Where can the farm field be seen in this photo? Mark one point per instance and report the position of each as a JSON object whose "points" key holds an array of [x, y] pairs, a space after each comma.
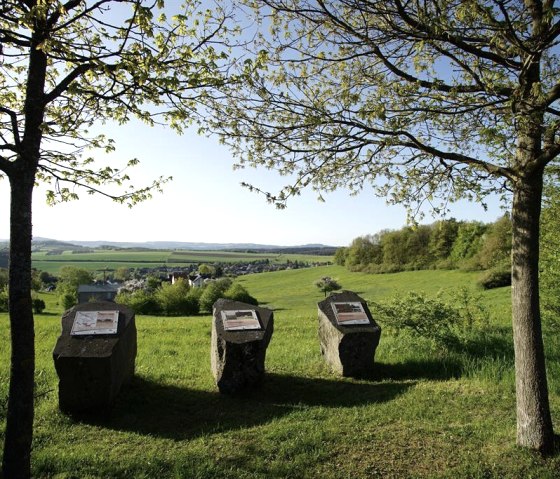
{"points": [[112, 259], [426, 412]]}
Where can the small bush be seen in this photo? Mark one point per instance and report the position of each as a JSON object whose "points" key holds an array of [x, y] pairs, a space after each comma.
{"points": [[212, 292], [68, 299], [496, 277], [140, 301], [446, 324], [38, 306], [327, 284], [236, 292]]}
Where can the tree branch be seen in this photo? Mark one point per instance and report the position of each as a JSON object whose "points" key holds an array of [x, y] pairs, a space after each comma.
{"points": [[14, 122]]}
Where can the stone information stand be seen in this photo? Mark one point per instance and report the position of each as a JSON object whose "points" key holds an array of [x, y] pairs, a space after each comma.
{"points": [[348, 334], [94, 355], [240, 335]]}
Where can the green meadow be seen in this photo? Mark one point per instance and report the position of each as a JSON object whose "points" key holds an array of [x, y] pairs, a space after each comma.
{"points": [[426, 412]]}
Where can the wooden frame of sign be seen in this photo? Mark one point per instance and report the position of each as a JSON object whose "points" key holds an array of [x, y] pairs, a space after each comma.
{"points": [[95, 322], [350, 313], [240, 320]]}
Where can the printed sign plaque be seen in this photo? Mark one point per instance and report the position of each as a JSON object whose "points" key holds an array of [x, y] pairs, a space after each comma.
{"points": [[350, 313], [238, 320], [95, 322]]}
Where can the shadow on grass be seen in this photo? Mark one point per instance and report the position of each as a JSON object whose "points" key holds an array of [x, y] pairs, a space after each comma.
{"points": [[440, 369], [149, 408]]}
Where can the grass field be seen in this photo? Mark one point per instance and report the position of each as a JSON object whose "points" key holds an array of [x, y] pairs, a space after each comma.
{"points": [[108, 259], [425, 413]]}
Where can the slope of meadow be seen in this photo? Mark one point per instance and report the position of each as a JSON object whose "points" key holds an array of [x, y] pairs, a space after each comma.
{"points": [[426, 412]]}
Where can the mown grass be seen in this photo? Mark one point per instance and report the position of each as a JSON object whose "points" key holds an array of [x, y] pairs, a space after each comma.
{"points": [[424, 413]]}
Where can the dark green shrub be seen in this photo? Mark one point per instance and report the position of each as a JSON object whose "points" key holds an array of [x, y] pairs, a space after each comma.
{"points": [[140, 301], [212, 292], [327, 284], [173, 300], [496, 277], [237, 292], [68, 299], [38, 306]]}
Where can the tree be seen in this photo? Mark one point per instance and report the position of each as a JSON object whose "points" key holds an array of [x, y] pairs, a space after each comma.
{"points": [[212, 292], [237, 292], [429, 102], [67, 287], [496, 244], [550, 238], [122, 274], [327, 284], [444, 234], [363, 252], [206, 270], [64, 66], [176, 299]]}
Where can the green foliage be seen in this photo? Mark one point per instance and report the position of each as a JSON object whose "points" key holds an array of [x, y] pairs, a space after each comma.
{"points": [[238, 292], [206, 269], [152, 282], [212, 292], [496, 245], [3, 278], [442, 238], [175, 300], [4, 299], [468, 241], [140, 301], [327, 284], [340, 256], [550, 253], [497, 277], [445, 244], [68, 299], [179, 299], [446, 322], [38, 305], [69, 280], [363, 251], [122, 274]]}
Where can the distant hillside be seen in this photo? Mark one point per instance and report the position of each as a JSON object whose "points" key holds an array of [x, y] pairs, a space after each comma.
{"points": [[56, 245]]}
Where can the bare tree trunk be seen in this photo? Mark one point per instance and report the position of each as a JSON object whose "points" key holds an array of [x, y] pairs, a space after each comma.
{"points": [[19, 423], [534, 423]]}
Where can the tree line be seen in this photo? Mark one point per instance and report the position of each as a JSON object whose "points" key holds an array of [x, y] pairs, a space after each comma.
{"points": [[444, 244]]}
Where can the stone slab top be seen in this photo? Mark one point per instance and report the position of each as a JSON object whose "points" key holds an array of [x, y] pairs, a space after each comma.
{"points": [[95, 345], [226, 307], [348, 313]]}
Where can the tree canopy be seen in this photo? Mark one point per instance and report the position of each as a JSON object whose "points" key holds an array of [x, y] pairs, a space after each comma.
{"points": [[67, 68], [97, 62], [427, 101], [424, 100]]}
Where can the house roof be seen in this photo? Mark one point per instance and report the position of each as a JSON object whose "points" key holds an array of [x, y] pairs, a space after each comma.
{"points": [[96, 288]]}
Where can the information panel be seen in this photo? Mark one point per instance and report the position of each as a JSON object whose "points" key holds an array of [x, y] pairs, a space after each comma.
{"points": [[350, 313], [95, 322], [242, 319]]}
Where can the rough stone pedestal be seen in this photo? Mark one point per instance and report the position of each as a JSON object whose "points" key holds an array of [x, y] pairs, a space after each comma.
{"points": [[92, 368], [237, 357], [348, 349]]}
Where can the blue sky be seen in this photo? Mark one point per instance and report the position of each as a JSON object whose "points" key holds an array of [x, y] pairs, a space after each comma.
{"points": [[205, 202]]}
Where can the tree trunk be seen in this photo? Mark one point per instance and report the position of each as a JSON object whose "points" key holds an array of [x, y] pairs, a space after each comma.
{"points": [[19, 423], [534, 423]]}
